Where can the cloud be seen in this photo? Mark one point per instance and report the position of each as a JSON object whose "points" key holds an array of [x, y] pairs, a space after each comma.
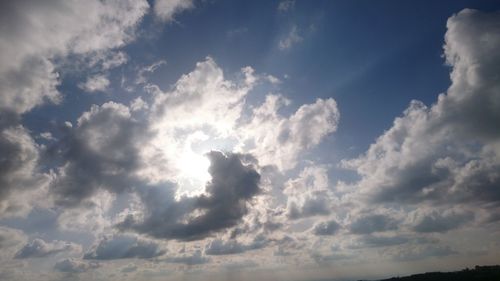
{"points": [[96, 83], [74, 266], [18, 169], [38, 248], [291, 39], [222, 205], [19, 159], [373, 223], [374, 241], [112, 60], [285, 6], [327, 228], [195, 259], [309, 194], [30, 54], [10, 239], [28, 76], [447, 153], [219, 102], [141, 74], [419, 252], [276, 140], [219, 247], [101, 151], [436, 221], [166, 9], [124, 247]]}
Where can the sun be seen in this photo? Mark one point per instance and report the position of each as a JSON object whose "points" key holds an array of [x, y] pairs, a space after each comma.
{"points": [[193, 173]]}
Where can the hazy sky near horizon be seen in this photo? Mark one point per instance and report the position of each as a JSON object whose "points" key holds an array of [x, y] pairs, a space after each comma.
{"points": [[243, 140]]}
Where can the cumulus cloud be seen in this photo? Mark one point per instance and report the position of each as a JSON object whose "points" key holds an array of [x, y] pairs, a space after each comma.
{"points": [[74, 266], [367, 224], [330, 227], [279, 140], [309, 194], [219, 102], [38, 248], [29, 55], [223, 204], [96, 83], [447, 153], [28, 76], [436, 221], [101, 151], [124, 247], [166, 9], [18, 168]]}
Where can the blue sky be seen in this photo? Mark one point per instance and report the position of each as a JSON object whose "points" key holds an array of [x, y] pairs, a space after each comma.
{"points": [[223, 140]]}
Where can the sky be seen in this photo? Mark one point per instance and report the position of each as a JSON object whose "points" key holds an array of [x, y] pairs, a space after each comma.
{"points": [[242, 140]]}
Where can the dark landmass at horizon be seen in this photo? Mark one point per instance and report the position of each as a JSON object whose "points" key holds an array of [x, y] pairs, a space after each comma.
{"points": [[478, 273]]}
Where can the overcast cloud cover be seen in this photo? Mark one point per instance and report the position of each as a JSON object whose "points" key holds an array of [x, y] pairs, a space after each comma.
{"points": [[131, 149]]}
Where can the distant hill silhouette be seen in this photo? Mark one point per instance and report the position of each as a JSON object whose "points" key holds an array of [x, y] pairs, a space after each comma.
{"points": [[479, 273]]}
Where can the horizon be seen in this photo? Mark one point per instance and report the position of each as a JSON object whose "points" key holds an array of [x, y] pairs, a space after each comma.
{"points": [[241, 140]]}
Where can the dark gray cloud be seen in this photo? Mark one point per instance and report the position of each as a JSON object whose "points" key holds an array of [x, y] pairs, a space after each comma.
{"points": [[373, 223], [74, 266], [330, 227], [222, 205], [19, 161], [124, 247], [441, 222], [19, 157], [39, 249], [101, 151]]}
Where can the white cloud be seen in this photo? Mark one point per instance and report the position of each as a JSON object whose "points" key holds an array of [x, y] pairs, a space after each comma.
{"points": [[96, 83], [27, 74], [138, 104], [448, 153], [277, 140], [286, 5], [309, 194], [141, 74], [293, 37], [165, 10], [114, 60]]}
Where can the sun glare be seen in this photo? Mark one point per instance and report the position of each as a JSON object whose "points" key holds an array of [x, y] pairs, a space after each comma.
{"points": [[193, 174]]}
